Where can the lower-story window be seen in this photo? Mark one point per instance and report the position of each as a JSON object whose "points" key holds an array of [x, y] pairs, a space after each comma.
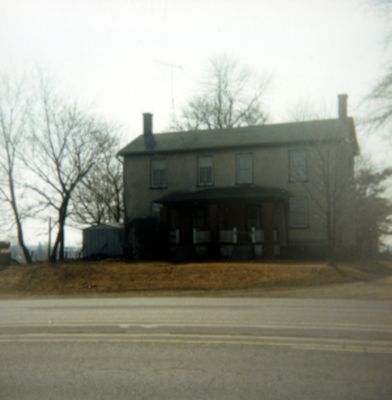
{"points": [[299, 212]]}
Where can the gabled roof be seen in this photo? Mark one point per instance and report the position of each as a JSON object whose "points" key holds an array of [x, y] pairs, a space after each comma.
{"points": [[260, 135]]}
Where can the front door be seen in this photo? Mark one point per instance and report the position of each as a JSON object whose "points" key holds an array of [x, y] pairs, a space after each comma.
{"points": [[181, 219], [268, 227], [253, 217]]}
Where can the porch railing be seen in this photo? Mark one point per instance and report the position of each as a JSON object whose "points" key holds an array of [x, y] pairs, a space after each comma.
{"points": [[200, 236], [228, 236], [257, 235]]}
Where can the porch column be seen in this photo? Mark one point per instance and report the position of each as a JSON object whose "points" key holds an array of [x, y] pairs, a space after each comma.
{"points": [[212, 223]]}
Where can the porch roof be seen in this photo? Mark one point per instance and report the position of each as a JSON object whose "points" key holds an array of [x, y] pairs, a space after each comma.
{"points": [[225, 194]]}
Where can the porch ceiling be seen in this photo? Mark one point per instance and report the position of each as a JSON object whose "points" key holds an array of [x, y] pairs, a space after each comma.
{"points": [[225, 194]]}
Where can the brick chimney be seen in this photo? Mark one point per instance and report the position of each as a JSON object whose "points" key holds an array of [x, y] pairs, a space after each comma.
{"points": [[342, 106], [147, 124]]}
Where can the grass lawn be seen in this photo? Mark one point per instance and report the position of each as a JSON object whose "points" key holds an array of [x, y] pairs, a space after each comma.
{"points": [[112, 276]]}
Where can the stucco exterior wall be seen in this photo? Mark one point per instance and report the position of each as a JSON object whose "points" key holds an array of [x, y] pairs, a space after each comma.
{"points": [[271, 169]]}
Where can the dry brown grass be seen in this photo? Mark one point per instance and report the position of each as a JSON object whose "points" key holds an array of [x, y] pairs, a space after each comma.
{"points": [[117, 276]]}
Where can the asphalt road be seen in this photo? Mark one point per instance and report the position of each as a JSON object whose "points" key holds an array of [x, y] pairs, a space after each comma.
{"points": [[195, 348]]}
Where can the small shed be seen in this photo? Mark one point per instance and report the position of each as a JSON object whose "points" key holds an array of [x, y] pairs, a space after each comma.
{"points": [[5, 254], [103, 240]]}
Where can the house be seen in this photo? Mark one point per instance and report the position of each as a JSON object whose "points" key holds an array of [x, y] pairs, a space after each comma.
{"points": [[258, 191]]}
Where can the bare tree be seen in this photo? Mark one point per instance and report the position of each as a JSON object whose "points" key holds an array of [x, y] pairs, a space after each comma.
{"points": [[336, 190], [381, 94], [99, 197], [326, 174], [307, 110], [332, 188], [229, 96], [373, 208], [66, 144], [13, 117]]}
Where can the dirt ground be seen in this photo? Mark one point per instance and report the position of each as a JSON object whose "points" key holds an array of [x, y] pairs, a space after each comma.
{"points": [[119, 278]]}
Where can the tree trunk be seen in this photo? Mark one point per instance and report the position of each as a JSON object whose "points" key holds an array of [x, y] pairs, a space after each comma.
{"points": [[19, 227], [59, 245], [53, 256], [62, 240]]}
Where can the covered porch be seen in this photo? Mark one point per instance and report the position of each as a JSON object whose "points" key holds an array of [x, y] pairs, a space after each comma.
{"points": [[231, 223]]}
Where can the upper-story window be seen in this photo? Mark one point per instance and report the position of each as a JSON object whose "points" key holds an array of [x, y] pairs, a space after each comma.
{"points": [[298, 171], [204, 171], [158, 174], [244, 169]]}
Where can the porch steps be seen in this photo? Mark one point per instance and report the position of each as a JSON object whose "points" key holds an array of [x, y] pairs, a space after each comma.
{"points": [[181, 253]]}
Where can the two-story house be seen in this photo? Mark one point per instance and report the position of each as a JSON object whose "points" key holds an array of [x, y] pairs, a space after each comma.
{"points": [[246, 192]]}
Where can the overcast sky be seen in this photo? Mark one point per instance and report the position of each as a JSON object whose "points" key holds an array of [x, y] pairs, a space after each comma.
{"points": [[110, 54]]}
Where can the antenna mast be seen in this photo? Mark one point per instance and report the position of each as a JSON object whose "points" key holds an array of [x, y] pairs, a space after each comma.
{"points": [[172, 101]]}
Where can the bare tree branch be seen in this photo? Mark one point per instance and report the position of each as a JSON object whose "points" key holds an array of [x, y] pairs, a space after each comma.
{"points": [[14, 103], [230, 96], [67, 143], [99, 199], [380, 96]]}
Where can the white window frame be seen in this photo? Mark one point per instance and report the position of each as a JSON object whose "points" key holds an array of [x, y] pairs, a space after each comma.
{"points": [[298, 165], [203, 160], [298, 205], [158, 165], [240, 170]]}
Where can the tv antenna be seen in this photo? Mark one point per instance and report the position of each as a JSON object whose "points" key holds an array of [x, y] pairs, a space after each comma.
{"points": [[172, 68]]}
